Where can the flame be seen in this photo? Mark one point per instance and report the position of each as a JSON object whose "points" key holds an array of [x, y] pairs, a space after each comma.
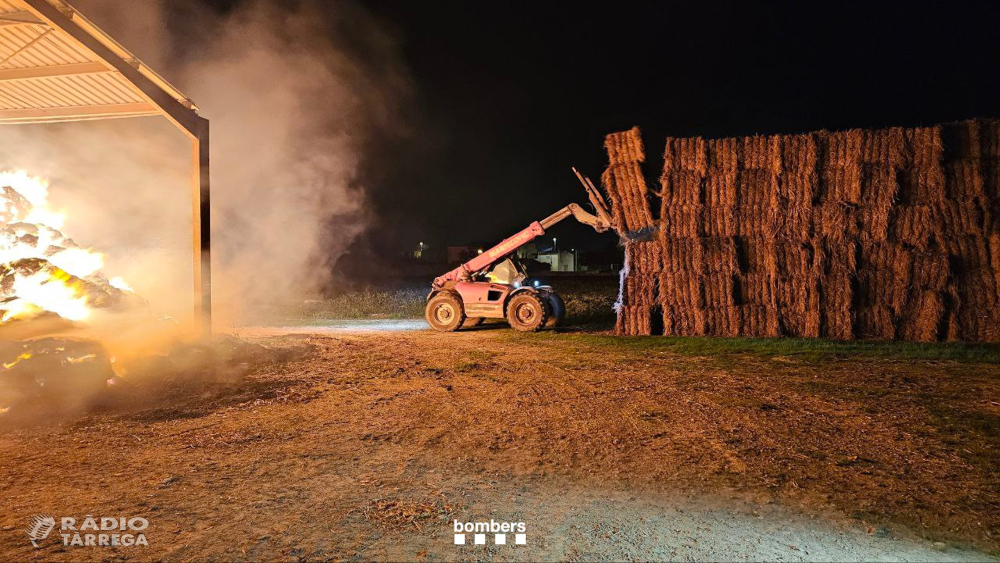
{"points": [[29, 229], [17, 360]]}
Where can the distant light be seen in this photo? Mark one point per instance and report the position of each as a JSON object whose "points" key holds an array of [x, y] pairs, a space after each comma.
{"points": [[480, 251], [517, 285], [535, 283]]}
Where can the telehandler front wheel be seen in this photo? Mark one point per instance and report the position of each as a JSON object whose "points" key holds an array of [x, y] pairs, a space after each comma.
{"points": [[445, 312], [526, 312], [557, 309]]}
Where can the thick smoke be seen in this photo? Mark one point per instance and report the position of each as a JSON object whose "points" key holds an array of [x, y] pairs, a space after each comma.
{"points": [[295, 96]]}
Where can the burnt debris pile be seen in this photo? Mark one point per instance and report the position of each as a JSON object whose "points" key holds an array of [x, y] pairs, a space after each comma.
{"points": [[871, 234]]}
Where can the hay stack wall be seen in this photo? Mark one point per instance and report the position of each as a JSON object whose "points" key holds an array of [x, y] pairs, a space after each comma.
{"points": [[874, 234]]}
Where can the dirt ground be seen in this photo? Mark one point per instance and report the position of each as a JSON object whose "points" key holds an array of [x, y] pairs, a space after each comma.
{"points": [[367, 445]]}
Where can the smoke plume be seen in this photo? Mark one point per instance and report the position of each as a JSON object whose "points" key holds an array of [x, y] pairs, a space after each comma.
{"points": [[296, 96]]}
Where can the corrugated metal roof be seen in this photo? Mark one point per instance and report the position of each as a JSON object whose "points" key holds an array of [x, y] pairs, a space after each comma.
{"points": [[46, 74]]}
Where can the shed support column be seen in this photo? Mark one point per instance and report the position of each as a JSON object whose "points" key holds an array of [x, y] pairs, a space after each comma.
{"points": [[201, 192]]}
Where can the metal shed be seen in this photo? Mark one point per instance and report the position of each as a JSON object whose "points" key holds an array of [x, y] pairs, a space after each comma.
{"points": [[56, 66]]}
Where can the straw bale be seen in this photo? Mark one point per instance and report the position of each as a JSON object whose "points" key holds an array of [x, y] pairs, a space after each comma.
{"points": [[683, 255], [798, 154], [799, 188], [759, 221], [687, 153], [878, 184], [640, 289], [989, 139], [617, 207], [758, 289], [634, 320], [991, 185], [961, 218], [979, 306], [880, 287], [993, 244], [836, 298], [761, 153], [718, 290], [961, 140], [951, 332], [798, 305], [681, 290], [757, 255], [683, 321], [719, 221], [875, 322], [841, 149], [878, 196], [627, 191], [884, 146], [926, 146], [795, 258], [757, 188], [644, 256], [967, 252], [835, 221], [720, 189], [630, 184], [680, 220], [977, 325], [873, 224], [930, 271], [891, 257], [922, 317], [722, 321], [723, 156], [913, 225], [841, 184], [922, 185], [796, 223], [625, 147], [681, 187], [964, 180], [978, 289], [719, 255], [761, 322], [838, 258]]}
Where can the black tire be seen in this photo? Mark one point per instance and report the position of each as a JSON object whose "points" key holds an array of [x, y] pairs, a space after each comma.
{"points": [[526, 312], [445, 312], [557, 309]]}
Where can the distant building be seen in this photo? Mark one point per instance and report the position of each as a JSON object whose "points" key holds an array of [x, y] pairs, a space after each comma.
{"points": [[559, 261]]}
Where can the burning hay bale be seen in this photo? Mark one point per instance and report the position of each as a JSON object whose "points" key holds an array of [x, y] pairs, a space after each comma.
{"points": [[43, 272], [888, 234]]}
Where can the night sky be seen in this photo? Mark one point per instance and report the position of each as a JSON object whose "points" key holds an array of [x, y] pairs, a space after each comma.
{"points": [[509, 95]]}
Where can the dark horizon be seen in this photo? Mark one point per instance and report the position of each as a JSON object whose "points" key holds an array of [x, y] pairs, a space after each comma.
{"points": [[506, 100]]}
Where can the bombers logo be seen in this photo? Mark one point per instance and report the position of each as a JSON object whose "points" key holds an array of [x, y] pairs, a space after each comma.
{"points": [[498, 530]]}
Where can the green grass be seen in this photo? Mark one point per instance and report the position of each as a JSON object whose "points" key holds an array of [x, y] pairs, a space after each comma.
{"points": [[372, 303], [588, 301], [808, 350]]}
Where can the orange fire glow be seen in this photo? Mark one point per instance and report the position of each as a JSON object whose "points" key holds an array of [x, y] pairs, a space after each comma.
{"points": [[41, 270]]}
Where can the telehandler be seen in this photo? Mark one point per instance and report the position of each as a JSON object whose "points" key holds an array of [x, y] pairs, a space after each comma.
{"points": [[491, 285]]}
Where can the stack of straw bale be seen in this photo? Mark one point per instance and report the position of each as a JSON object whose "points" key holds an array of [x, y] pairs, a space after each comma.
{"points": [[879, 234]]}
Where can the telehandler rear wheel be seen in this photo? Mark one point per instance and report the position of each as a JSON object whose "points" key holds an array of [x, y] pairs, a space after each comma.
{"points": [[445, 312], [526, 312]]}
